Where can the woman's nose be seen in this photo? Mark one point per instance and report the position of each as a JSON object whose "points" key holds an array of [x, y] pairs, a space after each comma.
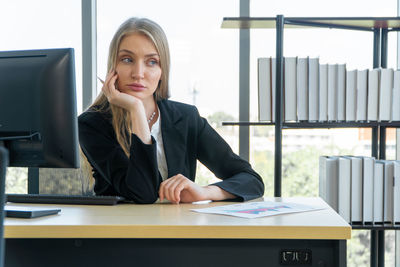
{"points": [[138, 70]]}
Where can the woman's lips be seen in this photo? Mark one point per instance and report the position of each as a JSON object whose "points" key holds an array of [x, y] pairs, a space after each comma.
{"points": [[136, 87]]}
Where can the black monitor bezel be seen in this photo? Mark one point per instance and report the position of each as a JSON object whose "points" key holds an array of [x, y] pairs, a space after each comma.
{"points": [[57, 137]]}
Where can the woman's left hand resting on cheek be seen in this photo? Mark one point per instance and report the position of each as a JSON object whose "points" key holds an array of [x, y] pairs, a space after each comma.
{"points": [[178, 189]]}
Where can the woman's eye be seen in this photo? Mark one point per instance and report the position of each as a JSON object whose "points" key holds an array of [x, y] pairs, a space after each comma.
{"points": [[153, 62], [126, 60]]}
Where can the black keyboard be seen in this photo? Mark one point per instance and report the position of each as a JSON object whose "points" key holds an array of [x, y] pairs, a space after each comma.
{"points": [[64, 199]]}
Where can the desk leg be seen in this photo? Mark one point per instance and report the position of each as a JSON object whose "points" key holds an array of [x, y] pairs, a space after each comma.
{"points": [[342, 253]]}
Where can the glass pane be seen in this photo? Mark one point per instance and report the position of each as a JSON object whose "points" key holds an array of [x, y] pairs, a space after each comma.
{"points": [[390, 247], [358, 248], [17, 180]]}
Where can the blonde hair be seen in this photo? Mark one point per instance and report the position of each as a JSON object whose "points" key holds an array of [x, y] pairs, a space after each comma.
{"points": [[120, 117]]}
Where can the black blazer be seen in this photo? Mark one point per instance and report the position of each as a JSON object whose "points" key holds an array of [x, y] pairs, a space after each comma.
{"points": [[187, 138]]}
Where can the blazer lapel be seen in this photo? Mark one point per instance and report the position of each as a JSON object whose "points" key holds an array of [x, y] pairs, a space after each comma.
{"points": [[173, 129]]}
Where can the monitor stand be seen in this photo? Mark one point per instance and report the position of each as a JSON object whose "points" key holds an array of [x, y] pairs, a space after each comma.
{"points": [[3, 168]]}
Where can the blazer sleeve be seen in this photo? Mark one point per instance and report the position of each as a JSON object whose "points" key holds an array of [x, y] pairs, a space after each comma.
{"points": [[238, 177], [135, 177]]}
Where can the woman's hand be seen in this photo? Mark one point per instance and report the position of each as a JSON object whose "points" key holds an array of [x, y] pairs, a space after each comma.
{"points": [[132, 104], [178, 189], [116, 97]]}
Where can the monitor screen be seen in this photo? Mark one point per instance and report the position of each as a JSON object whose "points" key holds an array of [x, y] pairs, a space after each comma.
{"points": [[38, 117]]}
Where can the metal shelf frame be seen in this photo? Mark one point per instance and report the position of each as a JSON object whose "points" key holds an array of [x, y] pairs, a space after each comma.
{"points": [[380, 27], [318, 125], [366, 226]]}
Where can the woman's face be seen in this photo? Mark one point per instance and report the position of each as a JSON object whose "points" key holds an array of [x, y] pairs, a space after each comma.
{"points": [[138, 66]]}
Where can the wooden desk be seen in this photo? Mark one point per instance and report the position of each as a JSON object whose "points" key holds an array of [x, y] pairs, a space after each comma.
{"points": [[172, 235]]}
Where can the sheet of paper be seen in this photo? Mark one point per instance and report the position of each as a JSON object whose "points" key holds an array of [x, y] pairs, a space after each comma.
{"points": [[258, 209]]}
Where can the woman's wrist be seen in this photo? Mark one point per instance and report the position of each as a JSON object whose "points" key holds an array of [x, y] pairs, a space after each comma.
{"points": [[139, 123], [214, 192], [137, 108]]}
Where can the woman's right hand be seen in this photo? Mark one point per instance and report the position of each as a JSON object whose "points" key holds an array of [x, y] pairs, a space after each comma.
{"points": [[116, 97], [139, 124]]}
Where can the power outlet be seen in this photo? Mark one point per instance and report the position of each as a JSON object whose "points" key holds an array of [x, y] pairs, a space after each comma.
{"points": [[295, 257]]}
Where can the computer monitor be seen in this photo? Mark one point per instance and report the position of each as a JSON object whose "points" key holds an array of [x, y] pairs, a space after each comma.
{"points": [[38, 117]]}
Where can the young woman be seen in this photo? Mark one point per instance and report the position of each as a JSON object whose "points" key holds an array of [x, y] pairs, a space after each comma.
{"points": [[143, 146]]}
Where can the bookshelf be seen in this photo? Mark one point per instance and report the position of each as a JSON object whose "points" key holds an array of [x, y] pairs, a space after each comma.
{"points": [[379, 27]]}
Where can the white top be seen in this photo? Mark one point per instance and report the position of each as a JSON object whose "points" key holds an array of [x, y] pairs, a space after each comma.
{"points": [[156, 133]]}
